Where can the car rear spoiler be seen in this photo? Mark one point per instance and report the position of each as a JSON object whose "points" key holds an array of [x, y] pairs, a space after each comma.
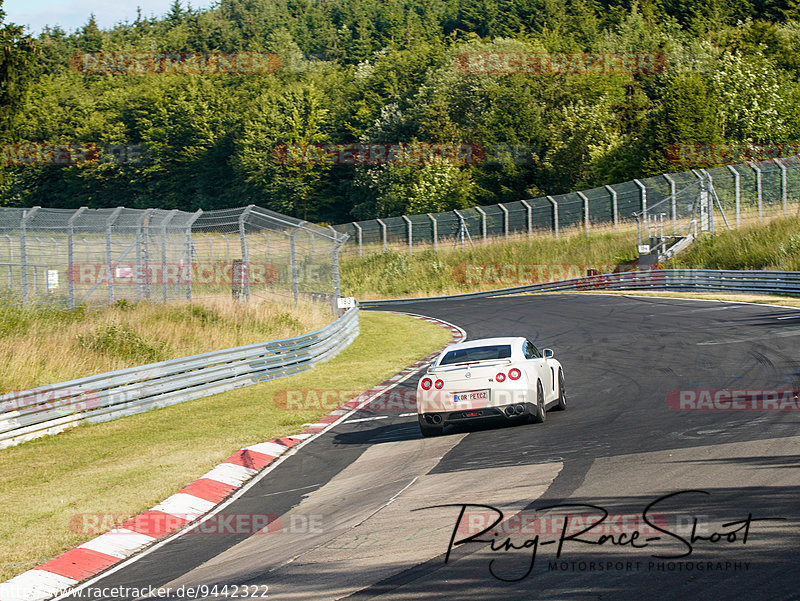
{"points": [[468, 364]]}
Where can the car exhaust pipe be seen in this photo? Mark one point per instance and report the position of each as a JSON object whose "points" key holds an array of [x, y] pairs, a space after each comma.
{"points": [[510, 410], [436, 419], [520, 409]]}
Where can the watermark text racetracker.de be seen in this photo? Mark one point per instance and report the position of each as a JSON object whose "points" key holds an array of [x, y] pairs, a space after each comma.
{"points": [[402, 153], [64, 401], [172, 273], [733, 400], [67, 155], [218, 524], [175, 63]]}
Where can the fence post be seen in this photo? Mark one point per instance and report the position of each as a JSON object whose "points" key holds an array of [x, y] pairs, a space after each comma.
{"points": [[410, 234], [710, 200], [643, 196], [585, 212], [435, 226], [703, 200], [187, 251], [338, 241], [164, 249], [674, 202], [71, 256], [109, 258], [360, 238], [555, 213], [142, 258], [23, 251], [614, 206], [529, 215], [293, 264], [759, 194], [505, 219], [245, 250], [483, 222], [737, 193], [783, 184], [383, 232]]}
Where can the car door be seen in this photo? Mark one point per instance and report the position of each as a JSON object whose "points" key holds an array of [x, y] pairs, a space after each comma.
{"points": [[538, 370]]}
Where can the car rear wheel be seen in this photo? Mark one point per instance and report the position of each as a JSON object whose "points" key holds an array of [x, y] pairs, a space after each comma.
{"points": [[541, 413], [562, 397], [428, 431]]}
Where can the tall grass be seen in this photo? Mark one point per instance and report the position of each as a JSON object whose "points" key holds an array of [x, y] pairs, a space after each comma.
{"points": [[513, 262], [43, 344], [771, 245]]}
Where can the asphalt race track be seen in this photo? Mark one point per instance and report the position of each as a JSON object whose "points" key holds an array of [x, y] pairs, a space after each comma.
{"points": [[347, 500]]}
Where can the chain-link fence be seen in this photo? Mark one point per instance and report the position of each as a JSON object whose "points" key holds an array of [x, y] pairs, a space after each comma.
{"points": [[746, 191], [92, 256]]}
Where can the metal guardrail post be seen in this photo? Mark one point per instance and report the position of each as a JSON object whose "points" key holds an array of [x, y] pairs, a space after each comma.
{"points": [[555, 213], [674, 202], [23, 251], [505, 219], [410, 234], [737, 194], [245, 251], [109, 256], [383, 232], [643, 198], [435, 226], [360, 238], [759, 191], [483, 222], [585, 211], [783, 185], [529, 215], [71, 256]]}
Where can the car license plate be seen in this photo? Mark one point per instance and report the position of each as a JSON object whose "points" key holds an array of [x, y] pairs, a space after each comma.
{"points": [[471, 395]]}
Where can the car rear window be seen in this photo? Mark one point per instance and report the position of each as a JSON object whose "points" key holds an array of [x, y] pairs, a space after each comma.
{"points": [[477, 353]]}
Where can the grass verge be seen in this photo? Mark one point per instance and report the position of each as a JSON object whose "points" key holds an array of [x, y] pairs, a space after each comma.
{"points": [[126, 466]]}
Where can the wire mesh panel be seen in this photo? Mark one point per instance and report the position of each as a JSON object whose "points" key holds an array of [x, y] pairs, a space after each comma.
{"points": [[759, 189], [93, 256]]}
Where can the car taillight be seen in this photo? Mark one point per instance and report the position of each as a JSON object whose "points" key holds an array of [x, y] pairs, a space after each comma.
{"points": [[426, 384], [500, 377], [514, 373], [439, 384]]}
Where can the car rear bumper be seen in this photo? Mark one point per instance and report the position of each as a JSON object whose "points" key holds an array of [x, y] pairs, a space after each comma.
{"points": [[501, 412]]}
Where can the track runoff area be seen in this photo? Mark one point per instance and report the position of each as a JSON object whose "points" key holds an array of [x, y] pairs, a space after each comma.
{"points": [[673, 474]]}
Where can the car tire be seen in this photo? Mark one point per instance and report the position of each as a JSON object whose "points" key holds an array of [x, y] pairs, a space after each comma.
{"points": [[541, 413], [428, 431], [562, 397]]}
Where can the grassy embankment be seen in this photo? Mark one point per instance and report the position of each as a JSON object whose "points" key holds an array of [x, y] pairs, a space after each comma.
{"points": [[497, 264], [123, 467]]}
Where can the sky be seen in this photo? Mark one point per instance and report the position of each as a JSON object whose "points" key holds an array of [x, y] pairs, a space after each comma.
{"points": [[73, 14]]}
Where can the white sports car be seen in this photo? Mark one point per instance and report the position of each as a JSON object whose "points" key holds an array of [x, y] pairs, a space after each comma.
{"points": [[500, 378]]}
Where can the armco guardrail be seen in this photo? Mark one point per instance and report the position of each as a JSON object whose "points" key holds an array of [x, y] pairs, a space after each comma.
{"points": [[50, 409], [698, 280]]}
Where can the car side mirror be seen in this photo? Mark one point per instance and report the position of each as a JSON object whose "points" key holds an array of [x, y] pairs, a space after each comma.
{"points": [[548, 353]]}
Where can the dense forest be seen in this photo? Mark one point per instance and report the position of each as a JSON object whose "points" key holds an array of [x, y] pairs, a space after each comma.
{"points": [[390, 72]]}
